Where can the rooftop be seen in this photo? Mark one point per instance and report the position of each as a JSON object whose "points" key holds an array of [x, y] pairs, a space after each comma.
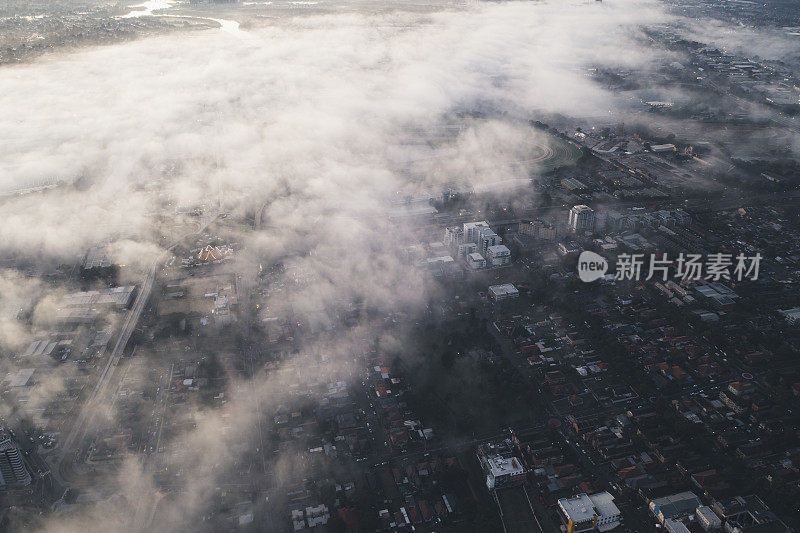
{"points": [[504, 289], [578, 508], [501, 466]]}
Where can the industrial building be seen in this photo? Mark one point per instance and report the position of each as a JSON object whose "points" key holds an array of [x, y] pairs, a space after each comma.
{"points": [[115, 297], [718, 295], [584, 512], [571, 184]]}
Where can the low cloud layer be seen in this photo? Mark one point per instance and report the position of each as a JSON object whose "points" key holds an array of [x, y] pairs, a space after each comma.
{"points": [[314, 121], [306, 107]]}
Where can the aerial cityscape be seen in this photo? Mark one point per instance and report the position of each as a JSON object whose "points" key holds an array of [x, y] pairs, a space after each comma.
{"points": [[359, 266]]}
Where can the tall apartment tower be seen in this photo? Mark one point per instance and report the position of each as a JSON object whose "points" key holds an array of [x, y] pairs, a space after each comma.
{"points": [[581, 218], [12, 469]]}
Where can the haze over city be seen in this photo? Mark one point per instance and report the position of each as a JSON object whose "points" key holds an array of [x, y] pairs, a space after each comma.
{"points": [[369, 266]]}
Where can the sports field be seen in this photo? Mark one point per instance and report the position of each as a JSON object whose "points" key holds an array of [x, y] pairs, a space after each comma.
{"points": [[551, 153]]}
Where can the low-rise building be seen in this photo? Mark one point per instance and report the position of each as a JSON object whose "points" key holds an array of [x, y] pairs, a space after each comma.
{"points": [[675, 526], [498, 255], [586, 512], [467, 248], [476, 261], [503, 292], [500, 464], [707, 518], [792, 316], [676, 505]]}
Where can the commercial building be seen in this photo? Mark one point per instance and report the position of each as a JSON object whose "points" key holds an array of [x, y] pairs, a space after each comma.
{"points": [[502, 472], [707, 518], [581, 218], [538, 229], [595, 512], [503, 292], [500, 464], [748, 514], [498, 255], [675, 526], [674, 506]]}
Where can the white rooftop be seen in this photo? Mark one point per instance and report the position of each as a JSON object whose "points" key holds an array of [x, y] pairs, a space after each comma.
{"points": [[583, 507], [506, 288], [21, 377], [498, 248], [578, 508], [502, 466], [604, 504]]}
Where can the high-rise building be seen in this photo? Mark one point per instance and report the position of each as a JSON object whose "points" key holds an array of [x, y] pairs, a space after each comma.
{"points": [[453, 236], [481, 234], [12, 469], [472, 230], [581, 218]]}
